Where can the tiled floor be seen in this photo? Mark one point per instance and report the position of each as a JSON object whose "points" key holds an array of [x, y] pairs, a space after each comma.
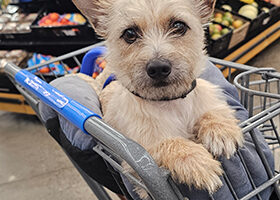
{"points": [[32, 165]]}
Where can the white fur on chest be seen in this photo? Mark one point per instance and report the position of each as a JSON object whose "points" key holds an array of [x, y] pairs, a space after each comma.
{"points": [[150, 121]]}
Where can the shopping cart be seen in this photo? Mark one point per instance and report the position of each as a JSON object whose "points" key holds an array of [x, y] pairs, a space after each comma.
{"points": [[256, 94]]}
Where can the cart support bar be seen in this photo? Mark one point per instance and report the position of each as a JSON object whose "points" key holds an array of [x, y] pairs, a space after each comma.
{"points": [[11, 69], [67, 107], [137, 157]]}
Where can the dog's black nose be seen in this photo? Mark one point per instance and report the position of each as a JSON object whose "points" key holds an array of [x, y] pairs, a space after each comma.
{"points": [[158, 69]]}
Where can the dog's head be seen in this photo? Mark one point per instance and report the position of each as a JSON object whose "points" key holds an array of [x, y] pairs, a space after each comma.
{"points": [[155, 47]]}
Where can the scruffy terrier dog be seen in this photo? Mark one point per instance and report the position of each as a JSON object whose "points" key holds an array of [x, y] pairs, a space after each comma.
{"points": [[155, 49]]}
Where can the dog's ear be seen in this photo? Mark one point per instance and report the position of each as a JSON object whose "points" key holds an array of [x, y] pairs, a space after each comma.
{"points": [[97, 13], [205, 9]]}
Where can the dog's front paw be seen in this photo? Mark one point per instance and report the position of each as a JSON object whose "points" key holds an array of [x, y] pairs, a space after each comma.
{"points": [[221, 136], [143, 194], [189, 163]]}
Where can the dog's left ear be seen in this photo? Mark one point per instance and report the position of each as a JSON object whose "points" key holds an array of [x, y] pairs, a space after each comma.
{"points": [[97, 13], [205, 9]]}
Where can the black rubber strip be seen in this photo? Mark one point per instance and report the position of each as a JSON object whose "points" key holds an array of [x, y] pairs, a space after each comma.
{"points": [[12, 101], [253, 46]]}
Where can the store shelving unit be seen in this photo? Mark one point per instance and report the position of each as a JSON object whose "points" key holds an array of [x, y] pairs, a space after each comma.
{"points": [[12, 101], [251, 48]]}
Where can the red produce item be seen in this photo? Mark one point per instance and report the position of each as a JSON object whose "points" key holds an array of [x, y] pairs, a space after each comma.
{"points": [[53, 16], [44, 70]]}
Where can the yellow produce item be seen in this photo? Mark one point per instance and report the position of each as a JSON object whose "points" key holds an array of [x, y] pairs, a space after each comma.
{"points": [[249, 14], [248, 8], [237, 23], [247, 1], [227, 7], [255, 4], [265, 9], [79, 18]]}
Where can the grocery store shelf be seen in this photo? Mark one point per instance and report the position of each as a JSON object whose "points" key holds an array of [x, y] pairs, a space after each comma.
{"points": [[241, 55], [14, 103], [23, 43], [253, 47], [53, 47]]}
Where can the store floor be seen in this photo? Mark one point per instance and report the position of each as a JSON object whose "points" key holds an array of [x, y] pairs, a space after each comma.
{"points": [[32, 165]]}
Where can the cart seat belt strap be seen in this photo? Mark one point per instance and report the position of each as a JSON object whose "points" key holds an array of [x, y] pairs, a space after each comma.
{"points": [[111, 78]]}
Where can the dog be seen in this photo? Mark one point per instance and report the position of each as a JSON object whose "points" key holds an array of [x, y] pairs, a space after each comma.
{"points": [[156, 51]]}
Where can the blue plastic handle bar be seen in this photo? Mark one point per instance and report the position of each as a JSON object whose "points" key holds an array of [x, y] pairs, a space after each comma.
{"points": [[67, 107], [89, 59]]}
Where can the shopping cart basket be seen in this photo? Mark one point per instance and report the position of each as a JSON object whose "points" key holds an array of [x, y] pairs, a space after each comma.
{"points": [[256, 95]]}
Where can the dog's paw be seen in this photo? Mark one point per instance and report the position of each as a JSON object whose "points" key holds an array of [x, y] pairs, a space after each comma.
{"points": [[189, 163], [221, 136], [143, 194]]}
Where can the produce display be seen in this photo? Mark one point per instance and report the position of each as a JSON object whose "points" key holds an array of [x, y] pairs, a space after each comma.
{"points": [[57, 68], [15, 56], [55, 19], [227, 19], [216, 31], [13, 21], [250, 10], [23, 58], [234, 21]]}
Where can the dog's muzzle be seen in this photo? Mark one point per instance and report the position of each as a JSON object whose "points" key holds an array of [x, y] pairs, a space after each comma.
{"points": [[158, 69]]}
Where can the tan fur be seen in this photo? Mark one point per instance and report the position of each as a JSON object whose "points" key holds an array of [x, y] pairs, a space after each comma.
{"points": [[176, 133], [88, 79], [152, 121], [203, 116], [218, 132], [187, 161], [184, 159], [96, 84]]}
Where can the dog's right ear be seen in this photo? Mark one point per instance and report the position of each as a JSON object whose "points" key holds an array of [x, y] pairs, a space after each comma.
{"points": [[205, 9], [97, 13]]}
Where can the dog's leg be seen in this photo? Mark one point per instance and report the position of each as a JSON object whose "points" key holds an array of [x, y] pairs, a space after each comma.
{"points": [[218, 131], [189, 163]]}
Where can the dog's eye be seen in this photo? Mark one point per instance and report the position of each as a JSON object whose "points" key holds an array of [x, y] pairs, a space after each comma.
{"points": [[130, 35], [179, 28]]}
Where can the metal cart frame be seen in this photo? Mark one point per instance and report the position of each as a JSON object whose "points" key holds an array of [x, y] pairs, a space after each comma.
{"points": [[156, 181]]}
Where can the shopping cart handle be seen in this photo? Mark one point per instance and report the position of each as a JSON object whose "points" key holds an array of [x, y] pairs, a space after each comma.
{"points": [[67, 107], [89, 60]]}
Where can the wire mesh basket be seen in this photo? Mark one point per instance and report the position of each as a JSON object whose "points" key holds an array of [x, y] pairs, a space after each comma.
{"points": [[259, 93]]}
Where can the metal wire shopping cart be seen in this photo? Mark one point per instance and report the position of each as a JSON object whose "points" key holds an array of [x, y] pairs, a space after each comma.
{"points": [[256, 93]]}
